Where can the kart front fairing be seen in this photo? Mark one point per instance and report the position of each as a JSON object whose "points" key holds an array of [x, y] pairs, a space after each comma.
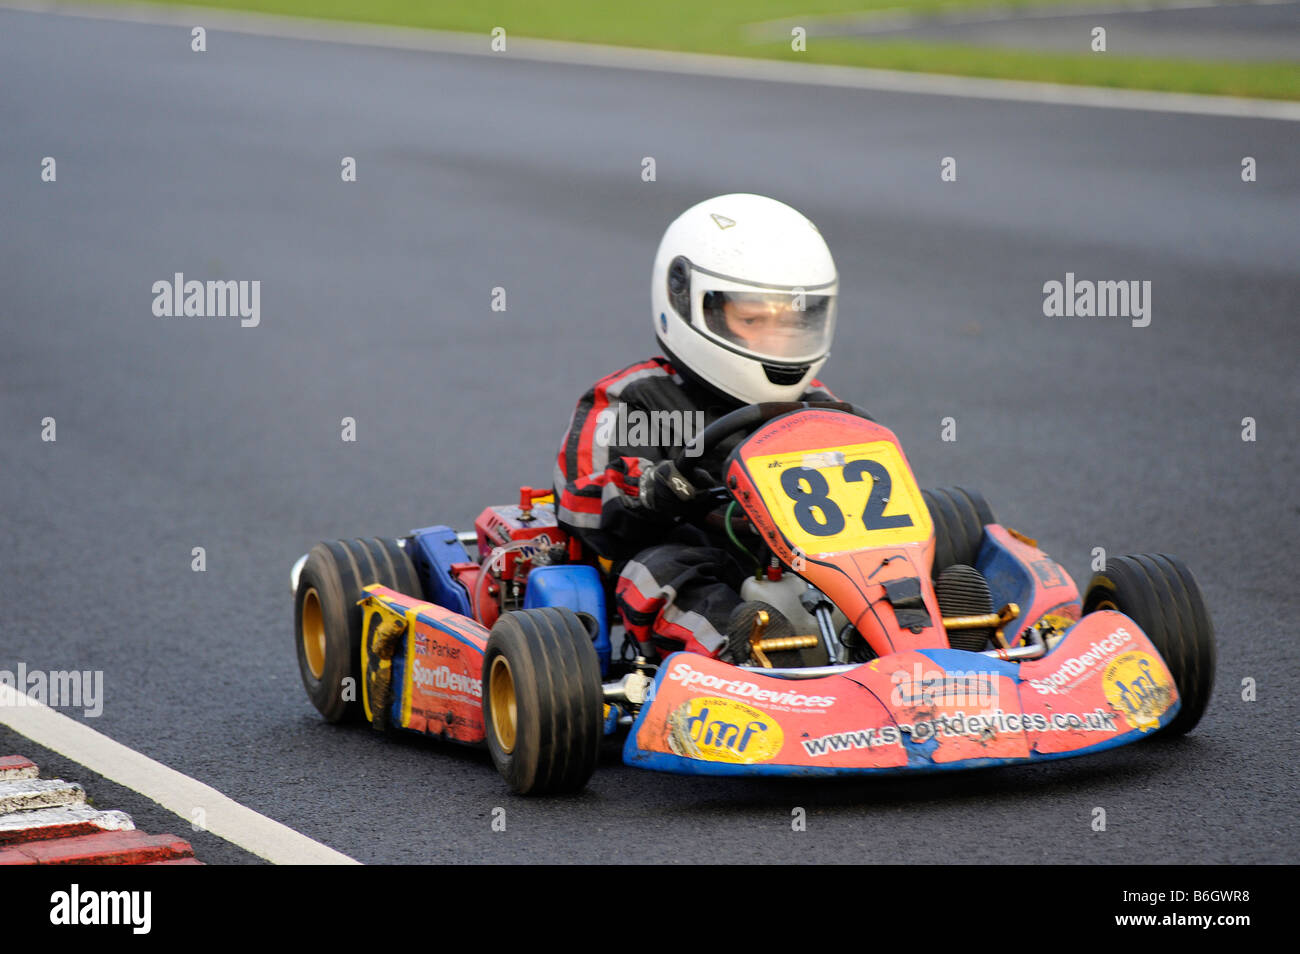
{"points": [[1102, 686], [834, 498]]}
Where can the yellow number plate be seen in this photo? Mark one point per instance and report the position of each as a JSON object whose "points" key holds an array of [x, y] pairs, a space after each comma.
{"points": [[842, 498]]}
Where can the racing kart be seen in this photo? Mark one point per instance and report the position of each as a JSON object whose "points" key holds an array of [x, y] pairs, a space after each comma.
{"points": [[934, 638]]}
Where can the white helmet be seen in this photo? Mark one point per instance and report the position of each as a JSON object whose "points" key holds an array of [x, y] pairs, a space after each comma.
{"points": [[743, 297]]}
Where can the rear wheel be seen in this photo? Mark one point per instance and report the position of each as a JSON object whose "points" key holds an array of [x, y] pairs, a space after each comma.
{"points": [[1159, 593], [543, 707], [959, 517], [327, 620]]}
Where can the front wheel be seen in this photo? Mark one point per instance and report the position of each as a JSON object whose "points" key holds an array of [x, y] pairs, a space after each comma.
{"points": [[1159, 593], [542, 701], [327, 620], [959, 516]]}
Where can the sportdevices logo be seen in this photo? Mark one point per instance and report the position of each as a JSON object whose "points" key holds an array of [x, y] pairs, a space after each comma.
{"points": [[1077, 666], [961, 724], [444, 678], [690, 678], [848, 741]]}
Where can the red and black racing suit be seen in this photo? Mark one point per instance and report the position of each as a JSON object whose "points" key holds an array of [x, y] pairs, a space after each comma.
{"points": [[676, 584]]}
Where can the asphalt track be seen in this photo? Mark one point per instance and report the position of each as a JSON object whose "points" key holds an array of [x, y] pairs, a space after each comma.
{"points": [[477, 172]]}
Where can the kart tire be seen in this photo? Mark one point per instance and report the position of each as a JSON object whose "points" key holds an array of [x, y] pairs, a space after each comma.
{"points": [[959, 517], [327, 619], [1159, 593], [543, 706]]}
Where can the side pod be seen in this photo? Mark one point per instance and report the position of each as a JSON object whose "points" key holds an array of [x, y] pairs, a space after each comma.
{"points": [[436, 677]]}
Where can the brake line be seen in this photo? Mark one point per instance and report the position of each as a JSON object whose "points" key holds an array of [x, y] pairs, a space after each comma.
{"points": [[731, 534]]}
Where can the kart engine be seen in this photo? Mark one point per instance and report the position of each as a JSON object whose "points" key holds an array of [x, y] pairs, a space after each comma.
{"points": [[511, 541]]}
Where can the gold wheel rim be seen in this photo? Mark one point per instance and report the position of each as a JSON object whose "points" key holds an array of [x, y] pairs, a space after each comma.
{"points": [[1107, 605], [313, 633], [501, 692]]}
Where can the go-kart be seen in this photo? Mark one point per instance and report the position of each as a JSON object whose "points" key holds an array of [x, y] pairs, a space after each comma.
{"points": [[934, 638]]}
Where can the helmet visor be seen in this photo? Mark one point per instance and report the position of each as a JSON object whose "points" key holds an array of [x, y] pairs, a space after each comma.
{"points": [[777, 325]]}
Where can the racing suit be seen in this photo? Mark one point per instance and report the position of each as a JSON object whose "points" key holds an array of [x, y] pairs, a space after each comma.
{"points": [[676, 584]]}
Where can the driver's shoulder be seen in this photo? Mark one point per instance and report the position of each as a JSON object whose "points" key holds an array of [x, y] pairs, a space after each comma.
{"points": [[818, 391], [654, 367], [650, 383]]}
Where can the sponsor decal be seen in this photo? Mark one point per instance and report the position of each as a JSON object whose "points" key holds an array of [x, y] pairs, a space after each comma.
{"points": [[1057, 621], [831, 458], [1133, 688], [531, 550], [723, 730], [1048, 572], [959, 724], [443, 678], [848, 741], [691, 678], [1077, 668]]}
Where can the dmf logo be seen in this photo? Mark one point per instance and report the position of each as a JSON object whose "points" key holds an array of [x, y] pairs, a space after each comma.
{"points": [[1135, 685], [723, 730]]}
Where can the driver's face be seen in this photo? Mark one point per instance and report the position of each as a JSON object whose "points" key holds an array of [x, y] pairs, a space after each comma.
{"points": [[768, 326]]}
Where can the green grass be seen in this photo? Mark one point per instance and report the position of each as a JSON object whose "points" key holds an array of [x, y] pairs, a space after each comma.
{"points": [[1254, 79], [721, 26]]}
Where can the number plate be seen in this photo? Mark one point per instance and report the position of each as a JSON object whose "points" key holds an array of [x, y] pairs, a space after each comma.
{"points": [[842, 498]]}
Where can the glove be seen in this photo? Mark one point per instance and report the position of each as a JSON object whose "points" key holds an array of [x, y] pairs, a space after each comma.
{"points": [[665, 491]]}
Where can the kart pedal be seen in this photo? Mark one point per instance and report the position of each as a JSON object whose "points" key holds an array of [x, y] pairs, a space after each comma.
{"points": [[751, 622], [963, 591]]}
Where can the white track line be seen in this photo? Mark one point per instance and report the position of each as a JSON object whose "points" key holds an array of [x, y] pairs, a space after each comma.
{"points": [[223, 816], [694, 64]]}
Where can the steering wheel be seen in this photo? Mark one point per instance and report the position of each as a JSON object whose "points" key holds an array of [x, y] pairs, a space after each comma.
{"points": [[712, 445]]}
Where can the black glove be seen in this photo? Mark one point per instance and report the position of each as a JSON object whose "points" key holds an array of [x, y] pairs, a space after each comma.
{"points": [[666, 491]]}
